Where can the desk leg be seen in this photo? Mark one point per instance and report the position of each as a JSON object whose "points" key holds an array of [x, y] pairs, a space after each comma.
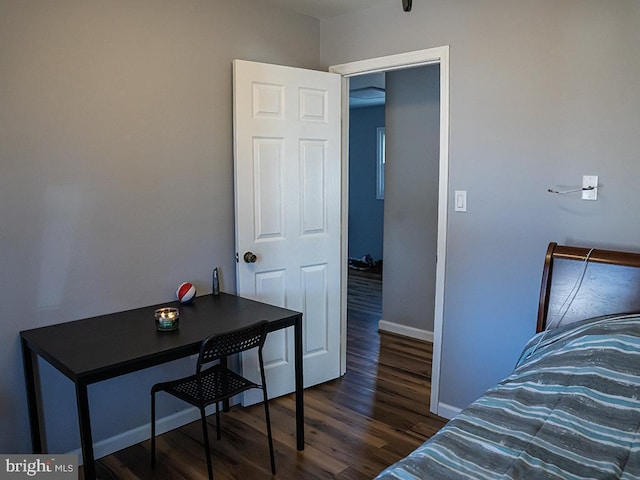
{"points": [[32, 399], [88, 461], [297, 329]]}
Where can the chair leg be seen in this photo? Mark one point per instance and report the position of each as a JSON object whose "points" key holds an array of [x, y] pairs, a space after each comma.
{"points": [[205, 436], [153, 429], [269, 436], [218, 432]]}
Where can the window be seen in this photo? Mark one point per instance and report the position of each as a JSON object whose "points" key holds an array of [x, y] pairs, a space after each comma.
{"points": [[380, 161]]}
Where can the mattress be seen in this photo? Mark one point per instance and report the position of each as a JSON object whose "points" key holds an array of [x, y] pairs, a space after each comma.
{"points": [[570, 410]]}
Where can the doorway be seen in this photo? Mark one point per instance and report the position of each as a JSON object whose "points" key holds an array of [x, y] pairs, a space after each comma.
{"points": [[366, 199], [395, 62]]}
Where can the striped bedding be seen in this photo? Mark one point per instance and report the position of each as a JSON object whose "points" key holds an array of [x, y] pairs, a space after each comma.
{"points": [[570, 410]]}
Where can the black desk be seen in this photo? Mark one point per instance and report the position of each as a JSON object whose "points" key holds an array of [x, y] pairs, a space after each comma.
{"points": [[95, 349]]}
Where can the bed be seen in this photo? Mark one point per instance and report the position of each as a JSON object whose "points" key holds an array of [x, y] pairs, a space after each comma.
{"points": [[571, 407]]}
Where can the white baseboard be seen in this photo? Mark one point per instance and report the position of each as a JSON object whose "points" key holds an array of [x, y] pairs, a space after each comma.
{"points": [[424, 335], [140, 434], [447, 411]]}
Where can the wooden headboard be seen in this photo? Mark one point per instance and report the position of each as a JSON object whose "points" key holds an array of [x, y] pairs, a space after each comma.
{"points": [[608, 283]]}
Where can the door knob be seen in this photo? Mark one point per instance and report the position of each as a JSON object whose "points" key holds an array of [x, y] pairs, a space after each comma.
{"points": [[250, 257]]}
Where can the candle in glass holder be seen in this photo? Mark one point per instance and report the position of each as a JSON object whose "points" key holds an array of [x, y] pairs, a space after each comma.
{"points": [[167, 318]]}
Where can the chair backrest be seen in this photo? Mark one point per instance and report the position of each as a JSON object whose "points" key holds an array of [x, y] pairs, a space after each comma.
{"points": [[229, 343]]}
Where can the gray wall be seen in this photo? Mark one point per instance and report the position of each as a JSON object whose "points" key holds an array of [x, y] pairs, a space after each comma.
{"points": [[411, 196], [116, 162], [542, 92], [366, 212], [116, 174]]}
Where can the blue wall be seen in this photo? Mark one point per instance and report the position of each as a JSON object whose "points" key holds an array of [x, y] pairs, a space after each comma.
{"points": [[365, 211]]}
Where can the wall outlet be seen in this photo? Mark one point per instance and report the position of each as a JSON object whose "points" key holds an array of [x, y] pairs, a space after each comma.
{"points": [[590, 182]]}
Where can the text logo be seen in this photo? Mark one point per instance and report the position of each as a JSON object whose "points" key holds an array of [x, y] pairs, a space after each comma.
{"points": [[50, 467]]}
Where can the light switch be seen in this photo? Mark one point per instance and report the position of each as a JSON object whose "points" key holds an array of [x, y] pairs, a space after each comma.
{"points": [[460, 199]]}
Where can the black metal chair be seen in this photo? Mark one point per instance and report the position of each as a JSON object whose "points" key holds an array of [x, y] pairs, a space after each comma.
{"points": [[217, 383]]}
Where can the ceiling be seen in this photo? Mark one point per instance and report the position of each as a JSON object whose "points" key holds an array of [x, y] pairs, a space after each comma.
{"points": [[330, 8], [367, 90]]}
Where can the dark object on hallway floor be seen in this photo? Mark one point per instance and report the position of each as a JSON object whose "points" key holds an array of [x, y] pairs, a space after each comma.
{"points": [[366, 263]]}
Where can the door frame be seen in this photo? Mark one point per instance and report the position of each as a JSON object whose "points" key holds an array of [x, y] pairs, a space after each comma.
{"points": [[430, 56]]}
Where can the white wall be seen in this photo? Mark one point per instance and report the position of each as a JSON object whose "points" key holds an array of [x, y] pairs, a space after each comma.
{"points": [[116, 176], [542, 92]]}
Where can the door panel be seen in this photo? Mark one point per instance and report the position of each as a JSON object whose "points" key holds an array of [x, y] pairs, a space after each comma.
{"points": [[314, 280], [269, 194]]}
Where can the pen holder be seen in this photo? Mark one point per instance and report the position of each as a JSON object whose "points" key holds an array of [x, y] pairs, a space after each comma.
{"points": [[167, 319]]}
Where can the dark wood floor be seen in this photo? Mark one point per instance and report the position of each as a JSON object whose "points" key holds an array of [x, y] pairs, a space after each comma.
{"points": [[355, 426]]}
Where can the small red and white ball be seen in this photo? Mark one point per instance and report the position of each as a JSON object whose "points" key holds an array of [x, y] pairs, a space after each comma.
{"points": [[186, 291]]}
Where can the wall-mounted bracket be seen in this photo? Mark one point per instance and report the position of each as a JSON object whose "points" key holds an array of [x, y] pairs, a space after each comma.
{"points": [[590, 187]]}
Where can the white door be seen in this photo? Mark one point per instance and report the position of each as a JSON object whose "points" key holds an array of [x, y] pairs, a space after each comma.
{"points": [[287, 205]]}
